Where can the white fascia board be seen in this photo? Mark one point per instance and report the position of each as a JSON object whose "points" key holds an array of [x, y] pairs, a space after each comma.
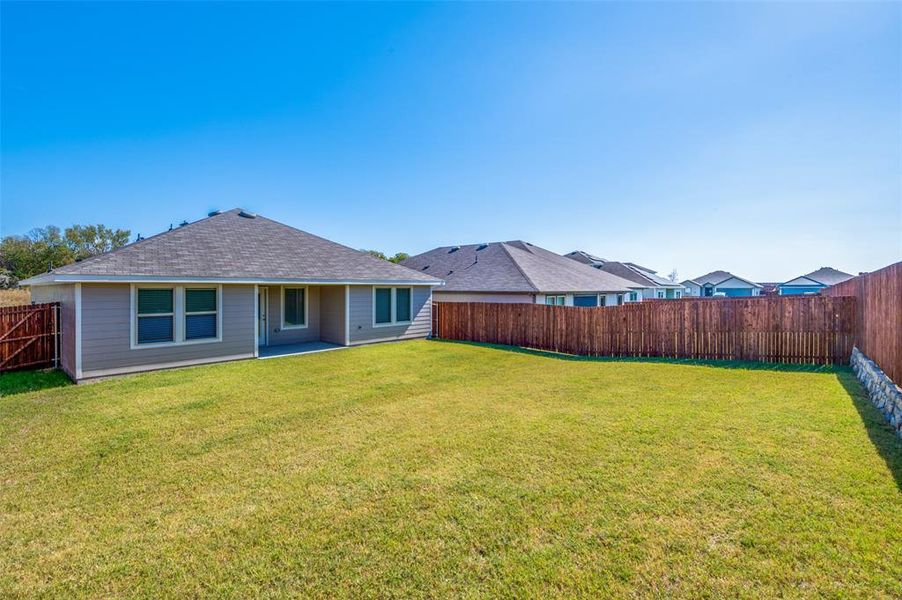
{"points": [[51, 278]]}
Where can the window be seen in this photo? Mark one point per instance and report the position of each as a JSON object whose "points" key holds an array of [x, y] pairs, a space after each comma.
{"points": [[660, 294], [200, 313], [402, 305], [602, 300], [392, 306], [634, 296], [173, 315], [585, 300], [678, 294], [554, 300], [294, 307], [155, 315], [383, 306]]}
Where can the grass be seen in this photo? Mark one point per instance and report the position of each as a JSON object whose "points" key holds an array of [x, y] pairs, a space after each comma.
{"points": [[434, 469], [15, 297]]}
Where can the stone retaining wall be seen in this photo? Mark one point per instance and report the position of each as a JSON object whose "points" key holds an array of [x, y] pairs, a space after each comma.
{"points": [[885, 394]]}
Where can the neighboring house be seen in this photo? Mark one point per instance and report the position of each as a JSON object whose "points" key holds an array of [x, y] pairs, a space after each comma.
{"points": [[222, 287], [654, 287], [519, 272], [721, 283], [813, 282]]}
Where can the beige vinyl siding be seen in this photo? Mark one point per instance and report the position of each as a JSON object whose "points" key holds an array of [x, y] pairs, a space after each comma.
{"points": [[310, 333], [106, 327], [332, 313], [361, 316], [507, 298], [65, 295]]}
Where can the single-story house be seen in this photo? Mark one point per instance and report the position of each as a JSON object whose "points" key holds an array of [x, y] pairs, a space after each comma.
{"points": [[519, 272], [721, 283], [221, 289], [654, 287], [813, 282]]}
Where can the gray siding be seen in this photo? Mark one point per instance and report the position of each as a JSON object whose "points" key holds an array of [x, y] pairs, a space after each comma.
{"points": [[65, 295], [105, 330], [332, 314], [277, 335], [508, 298], [361, 317]]}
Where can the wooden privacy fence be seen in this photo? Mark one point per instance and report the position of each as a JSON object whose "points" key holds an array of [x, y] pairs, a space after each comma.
{"points": [[790, 329], [878, 316], [29, 336]]}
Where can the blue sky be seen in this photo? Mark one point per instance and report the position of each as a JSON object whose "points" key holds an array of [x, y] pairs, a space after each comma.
{"points": [[765, 139]]}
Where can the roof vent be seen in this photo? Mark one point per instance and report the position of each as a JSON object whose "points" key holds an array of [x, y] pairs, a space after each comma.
{"points": [[183, 223], [453, 249], [482, 247], [424, 268], [213, 213], [247, 215]]}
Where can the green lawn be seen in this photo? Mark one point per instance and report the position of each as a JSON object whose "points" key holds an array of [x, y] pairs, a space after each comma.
{"points": [[442, 469]]}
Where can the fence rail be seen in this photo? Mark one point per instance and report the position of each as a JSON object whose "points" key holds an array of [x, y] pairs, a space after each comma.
{"points": [[788, 329], [29, 336], [878, 317]]}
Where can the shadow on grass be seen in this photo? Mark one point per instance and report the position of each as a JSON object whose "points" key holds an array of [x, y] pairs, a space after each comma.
{"points": [[881, 434], [20, 382], [723, 364]]}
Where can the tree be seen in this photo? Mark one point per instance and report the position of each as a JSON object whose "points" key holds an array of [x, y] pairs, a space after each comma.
{"points": [[673, 276], [398, 257], [375, 253], [46, 248], [88, 240]]}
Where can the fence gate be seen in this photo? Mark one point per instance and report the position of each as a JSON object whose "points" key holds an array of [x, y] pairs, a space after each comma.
{"points": [[29, 336]]}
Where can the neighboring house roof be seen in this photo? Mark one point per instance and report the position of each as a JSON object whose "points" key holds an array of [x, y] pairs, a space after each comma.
{"points": [[825, 275], [586, 258], [715, 278], [514, 266], [636, 274], [631, 271], [235, 245]]}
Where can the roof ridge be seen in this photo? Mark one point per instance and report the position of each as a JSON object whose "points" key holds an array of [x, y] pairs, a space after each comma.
{"points": [[104, 255], [519, 268]]}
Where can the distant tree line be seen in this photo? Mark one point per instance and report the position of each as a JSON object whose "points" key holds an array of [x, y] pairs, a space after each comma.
{"points": [[398, 257], [45, 248]]}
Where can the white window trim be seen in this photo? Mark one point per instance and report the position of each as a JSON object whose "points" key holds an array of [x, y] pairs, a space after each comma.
{"points": [[282, 325], [178, 315], [556, 296], [394, 300], [660, 294]]}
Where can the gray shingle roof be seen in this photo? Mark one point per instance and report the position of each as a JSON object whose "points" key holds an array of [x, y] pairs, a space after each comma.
{"points": [[231, 246], [586, 258], [514, 266], [637, 274], [827, 276], [715, 277]]}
